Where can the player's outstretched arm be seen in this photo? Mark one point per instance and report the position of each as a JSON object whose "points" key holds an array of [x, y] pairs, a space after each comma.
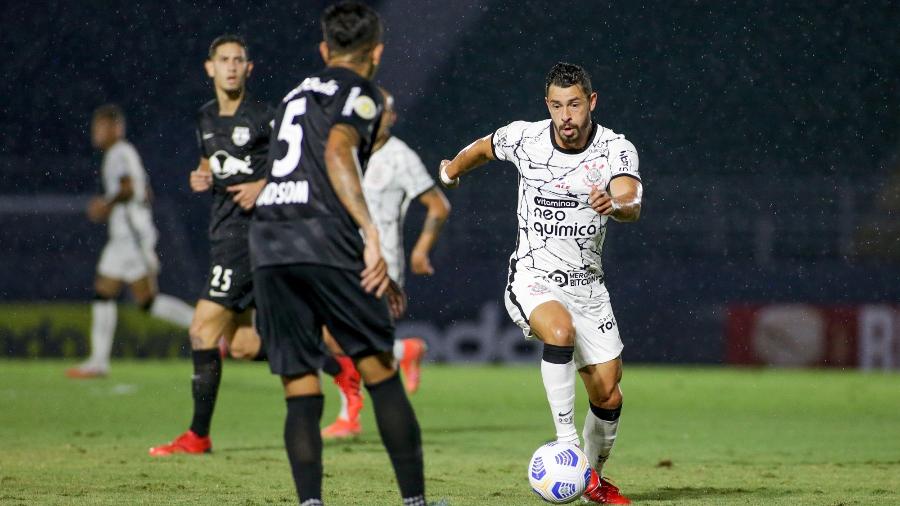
{"points": [[622, 202], [438, 211], [201, 177], [343, 172], [471, 156]]}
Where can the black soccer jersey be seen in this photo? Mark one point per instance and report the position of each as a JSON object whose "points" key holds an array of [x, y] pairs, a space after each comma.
{"points": [[236, 147], [299, 218]]}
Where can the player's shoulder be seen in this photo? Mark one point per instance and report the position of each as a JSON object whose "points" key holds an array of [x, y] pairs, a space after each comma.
{"points": [[122, 148], [527, 128], [209, 109], [607, 136]]}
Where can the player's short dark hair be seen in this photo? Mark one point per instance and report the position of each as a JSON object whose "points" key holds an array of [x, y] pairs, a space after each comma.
{"points": [[568, 74], [111, 112], [228, 38], [351, 26]]}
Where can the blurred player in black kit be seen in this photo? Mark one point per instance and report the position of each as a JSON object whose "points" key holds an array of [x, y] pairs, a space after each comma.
{"points": [[317, 258], [233, 133]]}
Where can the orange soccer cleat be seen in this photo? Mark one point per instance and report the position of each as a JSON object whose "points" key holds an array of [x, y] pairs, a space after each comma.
{"points": [[189, 443], [342, 429], [85, 372], [601, 491], [348, 381], [414, 350]]}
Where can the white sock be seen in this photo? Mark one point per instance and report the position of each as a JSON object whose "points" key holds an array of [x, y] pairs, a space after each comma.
{"points": [[559, 382], [172, 309], [599, 437], [103, 328], [398, 349]]}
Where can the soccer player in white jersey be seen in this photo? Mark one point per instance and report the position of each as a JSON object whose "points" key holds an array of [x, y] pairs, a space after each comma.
{"points": [[129, 256], [573, 176], [394, 178]]}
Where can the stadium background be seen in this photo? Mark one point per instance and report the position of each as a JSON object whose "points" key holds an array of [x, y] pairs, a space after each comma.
{"points": [[768, 138]]}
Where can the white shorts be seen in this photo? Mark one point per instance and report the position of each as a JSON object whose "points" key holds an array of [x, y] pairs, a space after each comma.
{"points": [[125, 260], [596, 331]]}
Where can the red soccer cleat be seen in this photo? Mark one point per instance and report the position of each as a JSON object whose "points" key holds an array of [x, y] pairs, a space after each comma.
{"points": [[414, 350], [342, 429], [85, 372], [601, 491], [186, 443], [348, 381]]}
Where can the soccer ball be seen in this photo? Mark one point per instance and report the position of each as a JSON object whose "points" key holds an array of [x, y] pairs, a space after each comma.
{"points": [[559, 472]]}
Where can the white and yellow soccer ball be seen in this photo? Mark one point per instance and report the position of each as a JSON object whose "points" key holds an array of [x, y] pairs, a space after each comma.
{"points": [[559, 472]]}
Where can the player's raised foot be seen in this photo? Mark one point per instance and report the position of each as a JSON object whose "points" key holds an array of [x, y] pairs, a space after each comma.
{"points": [[342, 429], [188, 442], [601, 491], [86, 371], [414, 350]]}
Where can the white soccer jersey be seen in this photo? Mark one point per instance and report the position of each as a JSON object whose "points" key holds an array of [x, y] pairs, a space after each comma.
{"points": [[560, 236], [131, 219], [395, 176]]}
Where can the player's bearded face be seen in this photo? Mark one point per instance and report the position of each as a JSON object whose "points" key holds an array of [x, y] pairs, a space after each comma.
{"points": [[570, 109]]}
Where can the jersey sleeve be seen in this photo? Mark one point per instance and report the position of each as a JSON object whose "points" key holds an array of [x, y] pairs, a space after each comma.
{"points": [[415, 178], [506, 139], [360, 107], [623, 159], [199, 131]]}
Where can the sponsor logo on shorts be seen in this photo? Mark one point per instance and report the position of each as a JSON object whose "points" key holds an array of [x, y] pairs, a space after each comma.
{"points": [[538, 288], [573, 278], [606, 325]]}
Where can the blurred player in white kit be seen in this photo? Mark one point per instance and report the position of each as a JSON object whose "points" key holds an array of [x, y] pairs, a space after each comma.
{"points": [[394, 178], [129, 257]]}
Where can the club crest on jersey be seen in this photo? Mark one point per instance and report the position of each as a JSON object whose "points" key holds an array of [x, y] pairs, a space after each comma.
{"points": [[593, 175], [365, 107], [240, 136], [224, 165]]}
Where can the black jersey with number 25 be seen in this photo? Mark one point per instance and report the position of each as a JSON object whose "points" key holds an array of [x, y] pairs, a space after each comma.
{"points": [[299, 218], [236, 147]]}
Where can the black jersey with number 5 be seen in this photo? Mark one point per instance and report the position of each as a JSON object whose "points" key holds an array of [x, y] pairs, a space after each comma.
{"points": [[299, 218], [236, 147]]}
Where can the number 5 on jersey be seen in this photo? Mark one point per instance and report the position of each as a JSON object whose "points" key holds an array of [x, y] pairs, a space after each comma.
{"points": [[292, 133]]}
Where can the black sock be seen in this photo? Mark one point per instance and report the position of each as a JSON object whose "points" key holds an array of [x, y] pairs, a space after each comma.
{"points": [[609, 415], [557, 354], [205, 386], [400, 434], [303, 443], [331, 366]]}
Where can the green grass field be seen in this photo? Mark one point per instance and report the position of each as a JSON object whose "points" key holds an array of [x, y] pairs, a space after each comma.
{"points": [[688, 436]]}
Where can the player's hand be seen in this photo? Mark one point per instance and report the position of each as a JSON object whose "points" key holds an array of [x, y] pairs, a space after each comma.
{"points": [[445, 179], [201, 180], [245, 194], [601, 202], [420, 263], [98, 210], [375, 276], [396, 300]]}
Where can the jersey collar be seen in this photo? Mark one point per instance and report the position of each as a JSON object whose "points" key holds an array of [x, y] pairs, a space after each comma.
{"points": [[573, 151]]}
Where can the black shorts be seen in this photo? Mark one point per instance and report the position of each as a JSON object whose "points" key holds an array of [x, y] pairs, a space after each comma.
{"points": [[293, 302], [230, 280]]}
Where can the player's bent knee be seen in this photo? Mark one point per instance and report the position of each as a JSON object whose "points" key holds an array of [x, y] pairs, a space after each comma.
{"points": [[563, 334], [607, 398]]}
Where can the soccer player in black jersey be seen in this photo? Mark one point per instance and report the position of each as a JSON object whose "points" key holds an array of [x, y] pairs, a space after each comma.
{"points": [[233, 132], [317, 258]]}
